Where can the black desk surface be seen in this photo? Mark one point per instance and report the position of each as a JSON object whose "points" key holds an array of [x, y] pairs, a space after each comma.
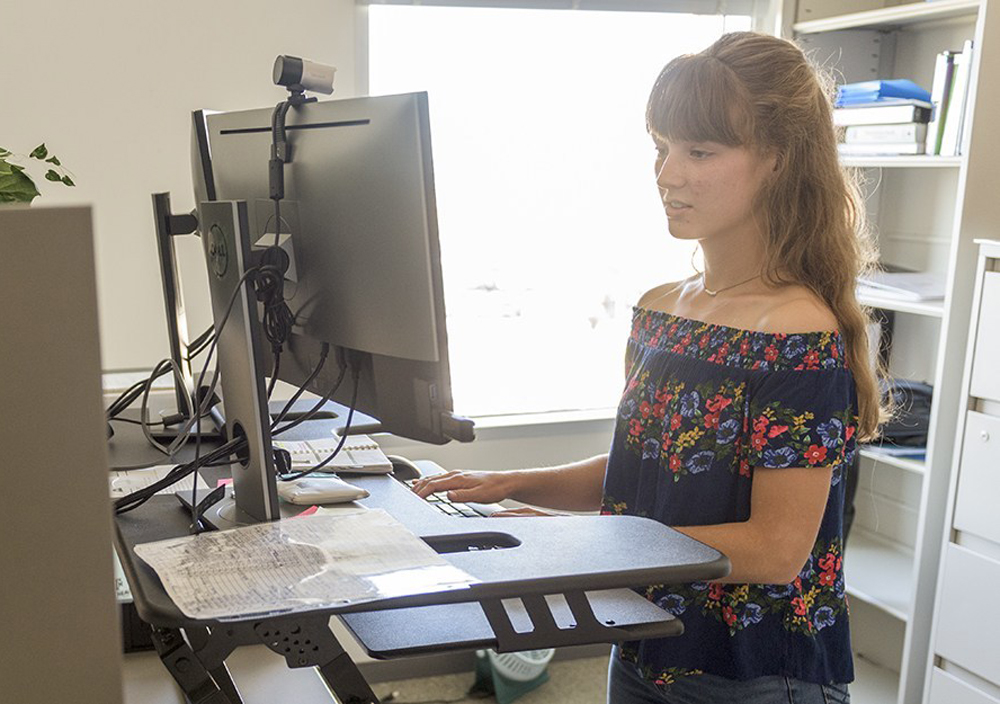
{"points": [[601, 555]]}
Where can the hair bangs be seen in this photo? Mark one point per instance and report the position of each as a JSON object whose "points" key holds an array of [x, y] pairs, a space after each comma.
{"points": [[697, 98]]}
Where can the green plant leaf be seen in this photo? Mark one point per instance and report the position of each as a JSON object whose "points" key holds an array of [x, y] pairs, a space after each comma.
{"points": [[5, 152], [39, 152], [53, 160], [51, 175], [68, 181], [16, 187], [5, 168]]}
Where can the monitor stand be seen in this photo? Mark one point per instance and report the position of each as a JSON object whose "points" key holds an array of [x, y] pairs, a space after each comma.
{"points": [[226, 241]]}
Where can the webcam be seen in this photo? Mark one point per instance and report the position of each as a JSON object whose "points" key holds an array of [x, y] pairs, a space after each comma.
{"points": [[302, 74]]}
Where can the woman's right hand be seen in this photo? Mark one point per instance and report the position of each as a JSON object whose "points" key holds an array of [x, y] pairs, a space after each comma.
{"points": [[477, 487]]}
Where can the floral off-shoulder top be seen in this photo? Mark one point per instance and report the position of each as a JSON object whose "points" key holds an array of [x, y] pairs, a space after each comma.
{"points": [[706, 406]]}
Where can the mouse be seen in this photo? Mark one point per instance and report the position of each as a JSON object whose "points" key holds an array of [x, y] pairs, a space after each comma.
{"points": [[403, 469]]}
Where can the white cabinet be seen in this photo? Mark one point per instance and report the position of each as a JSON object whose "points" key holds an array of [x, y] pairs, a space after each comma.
{"points": [[927, 212], [948, 689], [967, 622], [964, 663], [986, 362], [977, 508]]}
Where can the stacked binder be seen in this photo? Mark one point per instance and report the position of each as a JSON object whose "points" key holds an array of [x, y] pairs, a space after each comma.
{"points": [[883, 117], [949, 94]]}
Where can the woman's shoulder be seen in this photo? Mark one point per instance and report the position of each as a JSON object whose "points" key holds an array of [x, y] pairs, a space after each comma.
{"points": [[796, 309], [664, 296], [788, 308]]}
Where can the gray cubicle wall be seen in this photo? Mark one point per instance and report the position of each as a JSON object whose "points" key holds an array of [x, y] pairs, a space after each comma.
{"points": [[60, 626]]}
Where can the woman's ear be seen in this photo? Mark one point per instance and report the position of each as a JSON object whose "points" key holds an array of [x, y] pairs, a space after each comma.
{"points": [[775, 159]]}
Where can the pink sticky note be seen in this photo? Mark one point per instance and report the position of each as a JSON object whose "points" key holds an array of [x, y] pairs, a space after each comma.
{"points": [[223, 482]]}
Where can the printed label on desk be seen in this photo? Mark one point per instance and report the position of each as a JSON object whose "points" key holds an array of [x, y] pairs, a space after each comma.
{"points": [[122, 592]]}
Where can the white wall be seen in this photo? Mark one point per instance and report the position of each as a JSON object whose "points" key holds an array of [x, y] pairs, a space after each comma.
{"points": [[109, 87]]}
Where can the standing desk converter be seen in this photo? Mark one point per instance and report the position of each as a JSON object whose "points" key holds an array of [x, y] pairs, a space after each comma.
{"points": [[543, 582]]}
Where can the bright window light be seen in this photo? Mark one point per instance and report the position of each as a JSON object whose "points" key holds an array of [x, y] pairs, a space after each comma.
{"points": [[550, 223]]}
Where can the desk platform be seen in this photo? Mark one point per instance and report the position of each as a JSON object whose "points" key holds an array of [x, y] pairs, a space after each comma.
{"points": [[560, 581]]}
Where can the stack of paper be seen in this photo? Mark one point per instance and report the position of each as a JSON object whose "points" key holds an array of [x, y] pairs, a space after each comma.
{"points": [[883, 117], [903, 286]]}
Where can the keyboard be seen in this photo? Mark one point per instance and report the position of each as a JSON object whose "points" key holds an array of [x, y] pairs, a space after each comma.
{"points": [[458, 509]]}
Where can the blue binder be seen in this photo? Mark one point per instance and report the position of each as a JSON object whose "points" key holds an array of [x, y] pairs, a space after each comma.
{"points": [[877, 91]]}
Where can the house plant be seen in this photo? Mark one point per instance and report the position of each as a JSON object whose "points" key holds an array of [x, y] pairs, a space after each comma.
{"points": [[16, 182]]}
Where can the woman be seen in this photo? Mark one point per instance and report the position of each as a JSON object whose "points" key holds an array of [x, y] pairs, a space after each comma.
{"points": [[748, 387]]}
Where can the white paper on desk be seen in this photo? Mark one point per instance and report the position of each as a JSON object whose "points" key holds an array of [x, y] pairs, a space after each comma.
{"points": [[124, 482], [298, 564]]}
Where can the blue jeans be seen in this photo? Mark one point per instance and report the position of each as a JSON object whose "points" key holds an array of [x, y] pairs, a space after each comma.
{"points": [[627, 686]]}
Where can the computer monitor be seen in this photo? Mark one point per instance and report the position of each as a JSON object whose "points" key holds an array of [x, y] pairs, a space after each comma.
{"points": [[359, 213], [359, 222]]}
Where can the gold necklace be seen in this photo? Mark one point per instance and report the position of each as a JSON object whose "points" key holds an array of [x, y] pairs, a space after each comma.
{"points": [[717, 291]]}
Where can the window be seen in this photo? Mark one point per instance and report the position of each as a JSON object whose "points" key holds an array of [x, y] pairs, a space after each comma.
{"points": [[550, 222]]}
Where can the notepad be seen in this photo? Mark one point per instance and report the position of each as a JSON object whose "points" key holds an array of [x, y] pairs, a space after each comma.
{"points": [[359, 454]]}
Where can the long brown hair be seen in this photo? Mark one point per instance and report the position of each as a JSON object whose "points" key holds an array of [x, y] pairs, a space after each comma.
{"points": [[761, 92]]}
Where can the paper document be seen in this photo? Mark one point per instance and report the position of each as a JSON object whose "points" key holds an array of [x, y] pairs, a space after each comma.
{"points": [[908, 286], [122, 483], [299, 564], [359, 454]]}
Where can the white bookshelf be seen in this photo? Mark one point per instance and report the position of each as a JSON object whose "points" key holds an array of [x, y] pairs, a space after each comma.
{"points": [[926, 212], [905, 463], [933, 309], [880, 572], [873, 684], [894, 17], [902, 161]]}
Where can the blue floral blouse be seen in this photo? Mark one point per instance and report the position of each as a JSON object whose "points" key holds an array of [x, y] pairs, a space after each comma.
{"points": [[705, 406]]}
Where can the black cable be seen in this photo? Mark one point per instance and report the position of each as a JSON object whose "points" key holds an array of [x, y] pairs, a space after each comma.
{"points": [[179, 440], [124, 400], [221, 455], [140, 496], [205, 403], [200, 343], [315, 409], [134, 422], [269, 287], [343, 438], [127, 397], [323, 354], [274, 373], [308, 415], [217, 457]]}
